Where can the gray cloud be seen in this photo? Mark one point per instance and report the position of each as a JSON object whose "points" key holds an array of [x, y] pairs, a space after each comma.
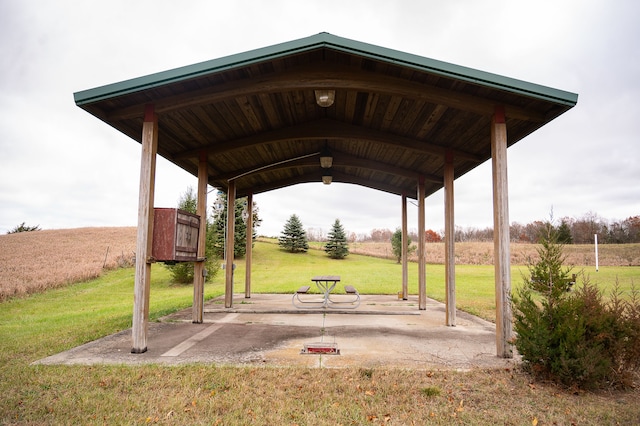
{"points": [[60, 167]]}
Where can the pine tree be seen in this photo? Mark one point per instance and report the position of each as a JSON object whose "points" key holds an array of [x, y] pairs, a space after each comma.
{"points": [[564, 233], [219, 227], [396, 245], [24, 228], [336, 246], [293, 237]]}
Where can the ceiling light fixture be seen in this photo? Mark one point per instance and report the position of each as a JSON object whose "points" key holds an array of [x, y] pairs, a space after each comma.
{"points": [[325, 98], [326, 159], [327, 178]]}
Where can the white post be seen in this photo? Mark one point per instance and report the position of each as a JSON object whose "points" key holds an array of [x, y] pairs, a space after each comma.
{"points": [[596, 240]]}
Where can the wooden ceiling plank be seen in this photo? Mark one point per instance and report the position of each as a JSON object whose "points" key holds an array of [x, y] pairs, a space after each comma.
{"points": [[325, 129], [390, 113], [267, 107], [370, 109], [341, 160], [430, 123], [327, 76], [249, 112]]}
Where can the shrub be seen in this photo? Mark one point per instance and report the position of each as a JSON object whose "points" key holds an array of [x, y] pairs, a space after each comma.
{"points": [[576, 338], [24, 228]]}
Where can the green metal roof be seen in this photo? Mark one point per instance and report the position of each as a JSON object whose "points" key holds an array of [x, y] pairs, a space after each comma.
{"points": [[255, 116], [326, 40]]}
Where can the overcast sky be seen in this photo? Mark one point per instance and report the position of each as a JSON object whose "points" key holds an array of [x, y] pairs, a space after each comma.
{"points": [[60, 167]]}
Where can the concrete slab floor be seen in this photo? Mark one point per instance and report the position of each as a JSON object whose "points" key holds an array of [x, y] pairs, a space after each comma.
{"points": [[268, 330]]}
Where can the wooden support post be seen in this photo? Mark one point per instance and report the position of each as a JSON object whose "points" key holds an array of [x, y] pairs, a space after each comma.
{"points": [[405, 251], [229, 248], [449, 241], [249, 248], [198, 269], [501, 234], [422, 254], [144, 241]]}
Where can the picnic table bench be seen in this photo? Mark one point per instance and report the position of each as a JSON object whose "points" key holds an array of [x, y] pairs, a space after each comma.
{"points": [[326, 284]]}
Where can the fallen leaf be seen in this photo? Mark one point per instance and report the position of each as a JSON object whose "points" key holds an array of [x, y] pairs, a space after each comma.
{"points": [[534, 422]]}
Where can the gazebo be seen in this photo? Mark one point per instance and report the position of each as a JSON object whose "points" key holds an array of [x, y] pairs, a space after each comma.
{"points": [[326, 109]]}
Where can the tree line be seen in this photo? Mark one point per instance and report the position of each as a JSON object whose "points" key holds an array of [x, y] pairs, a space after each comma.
{"points": [[570, 230]]}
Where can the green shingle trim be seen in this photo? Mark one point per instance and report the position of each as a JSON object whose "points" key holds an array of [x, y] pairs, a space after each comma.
{"points": [[326, 40]]}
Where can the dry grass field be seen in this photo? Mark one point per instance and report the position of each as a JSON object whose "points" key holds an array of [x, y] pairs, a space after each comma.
{"points": [[211, 394], [481, 253], [33, 261]]}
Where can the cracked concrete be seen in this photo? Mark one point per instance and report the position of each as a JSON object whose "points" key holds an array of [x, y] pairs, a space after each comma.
{"points": [[267, 330]]}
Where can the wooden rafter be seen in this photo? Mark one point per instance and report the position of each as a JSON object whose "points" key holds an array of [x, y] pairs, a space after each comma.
{"points": [[332, 77], [326, 129]]}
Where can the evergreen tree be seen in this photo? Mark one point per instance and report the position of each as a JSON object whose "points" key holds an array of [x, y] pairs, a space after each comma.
{"points": [[293, 237], [574, 336], [337, 247], [24, 228], [564, 233], [396, 245], [219, 227]]}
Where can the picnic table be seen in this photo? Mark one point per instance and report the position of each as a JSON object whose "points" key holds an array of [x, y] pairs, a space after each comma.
{"points": [[326, 284]]}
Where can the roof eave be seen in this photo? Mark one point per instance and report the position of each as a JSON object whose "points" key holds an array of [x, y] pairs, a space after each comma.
{"points": [[333, 42]]}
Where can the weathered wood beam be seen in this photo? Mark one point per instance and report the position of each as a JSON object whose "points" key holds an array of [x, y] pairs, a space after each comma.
{"points": [[315, 76], [198, 269], [339, 159], [501, 234], [327, 129], [266, 168], [422, 255], [229, 244], [347, 160], [249, 247], [144, 240], [449, 242], [405, 250], [338, 177]]}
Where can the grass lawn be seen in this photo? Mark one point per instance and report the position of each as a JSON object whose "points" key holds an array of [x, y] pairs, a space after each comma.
{"points": [[40, 325], [277, 271]]}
